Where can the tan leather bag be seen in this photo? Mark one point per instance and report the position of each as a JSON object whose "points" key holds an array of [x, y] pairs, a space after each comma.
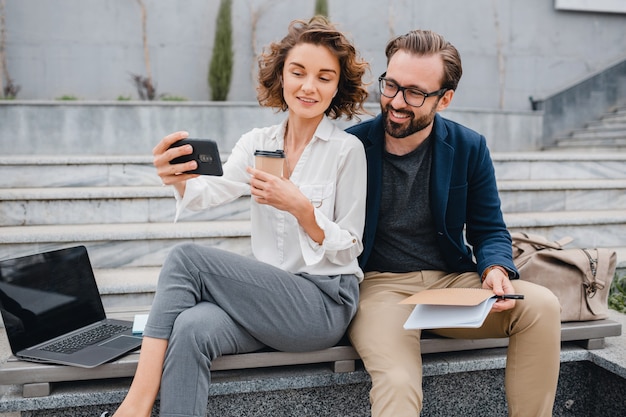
{"points": [[580, 278]]}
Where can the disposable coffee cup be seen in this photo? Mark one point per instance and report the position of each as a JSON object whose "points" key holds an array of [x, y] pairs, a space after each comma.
{"points": [[271, 162]]}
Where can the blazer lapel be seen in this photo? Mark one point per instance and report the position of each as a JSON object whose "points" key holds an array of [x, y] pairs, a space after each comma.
{"points": [[440, 174]]}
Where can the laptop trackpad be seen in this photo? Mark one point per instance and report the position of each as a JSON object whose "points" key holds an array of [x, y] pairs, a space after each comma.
{"points": [[122, 342]]}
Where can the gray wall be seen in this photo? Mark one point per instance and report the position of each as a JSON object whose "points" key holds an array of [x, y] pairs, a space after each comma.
{"points": [[511, 49], [29, 127]]}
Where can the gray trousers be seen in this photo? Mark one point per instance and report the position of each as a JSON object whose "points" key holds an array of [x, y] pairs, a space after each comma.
{"points": [[210, 303]]}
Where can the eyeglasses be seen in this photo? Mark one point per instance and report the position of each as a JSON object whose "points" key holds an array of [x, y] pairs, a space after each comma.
{"points": [[412, 96]]}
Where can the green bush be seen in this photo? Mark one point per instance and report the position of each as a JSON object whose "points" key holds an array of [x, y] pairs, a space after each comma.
{"points": [[221, 68], [617, 293], [167, 97], [67, 97]]}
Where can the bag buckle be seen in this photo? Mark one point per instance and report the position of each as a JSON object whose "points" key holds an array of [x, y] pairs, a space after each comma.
{"points": [[591, 288]]}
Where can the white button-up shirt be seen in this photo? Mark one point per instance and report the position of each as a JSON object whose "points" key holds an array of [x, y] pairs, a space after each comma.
{"points": [[331, 172]]}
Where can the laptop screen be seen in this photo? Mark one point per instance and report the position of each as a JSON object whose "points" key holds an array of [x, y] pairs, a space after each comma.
{"points": [[45, 295]]}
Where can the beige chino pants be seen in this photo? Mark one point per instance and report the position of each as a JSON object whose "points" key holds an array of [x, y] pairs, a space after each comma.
{"points": [[392, 355]]}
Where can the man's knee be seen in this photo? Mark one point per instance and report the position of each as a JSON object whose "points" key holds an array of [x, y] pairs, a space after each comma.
{"points": [[396, 391], [539, 301], [401, 380]]}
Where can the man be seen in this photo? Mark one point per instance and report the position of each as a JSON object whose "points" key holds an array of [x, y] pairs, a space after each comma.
{"points": [[429, 179]]}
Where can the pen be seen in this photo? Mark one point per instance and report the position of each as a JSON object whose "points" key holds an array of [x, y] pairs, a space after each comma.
{"points": [[510, 296]]}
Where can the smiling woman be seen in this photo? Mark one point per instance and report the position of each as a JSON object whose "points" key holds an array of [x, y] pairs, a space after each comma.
{"points": [[301, 289], [310, 79]]}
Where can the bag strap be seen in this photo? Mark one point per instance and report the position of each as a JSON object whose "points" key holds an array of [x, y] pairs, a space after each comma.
{"points": [[598, 268], [594, 283], [540, 241]]}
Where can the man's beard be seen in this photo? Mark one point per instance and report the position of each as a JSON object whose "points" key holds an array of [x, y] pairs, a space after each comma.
{"points": [[398, 131]]}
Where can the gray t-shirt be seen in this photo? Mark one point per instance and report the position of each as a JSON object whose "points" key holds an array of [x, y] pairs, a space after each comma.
{"points": [[405, 236]]}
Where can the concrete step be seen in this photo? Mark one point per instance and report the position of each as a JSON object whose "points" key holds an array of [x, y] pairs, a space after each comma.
{"points": [[618, 115], [125, 245], [105, 205], [597, 147], [551, 165], [127, 286], [24, 171], [606, 134], [603, 131], [144, 244], [614, 124], [76, 171], [593, 139], [121, 171], [119, 210], [127, 260], [150, 204], [600, 228], [132, 286], [562, 195]]}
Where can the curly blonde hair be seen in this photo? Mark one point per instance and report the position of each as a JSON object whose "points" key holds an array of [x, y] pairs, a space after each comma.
{"points": [[351, 91]]}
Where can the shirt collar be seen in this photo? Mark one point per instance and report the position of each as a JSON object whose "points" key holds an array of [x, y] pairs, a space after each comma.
{"points": [[323, 132]]}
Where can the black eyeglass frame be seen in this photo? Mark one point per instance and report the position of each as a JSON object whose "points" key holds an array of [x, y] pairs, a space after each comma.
{"points": [[399, 88]]}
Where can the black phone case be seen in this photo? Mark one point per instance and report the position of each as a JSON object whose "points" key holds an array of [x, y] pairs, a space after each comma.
{"points": [[205, 153]]}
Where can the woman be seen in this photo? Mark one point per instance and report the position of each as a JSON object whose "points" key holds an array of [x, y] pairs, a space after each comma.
{"points": [[301, 290]]}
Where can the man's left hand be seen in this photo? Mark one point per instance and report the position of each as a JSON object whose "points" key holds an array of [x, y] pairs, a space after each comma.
{"points": [[497, 281]]}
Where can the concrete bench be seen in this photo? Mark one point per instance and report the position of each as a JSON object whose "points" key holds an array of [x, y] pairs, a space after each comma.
{"points": [[36, 379]]}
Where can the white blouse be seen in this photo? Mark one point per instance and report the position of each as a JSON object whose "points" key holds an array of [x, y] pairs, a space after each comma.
{"points": [[331, 172]]}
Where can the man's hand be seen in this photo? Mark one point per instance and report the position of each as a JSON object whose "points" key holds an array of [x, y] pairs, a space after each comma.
{"points": [[498, 281]]}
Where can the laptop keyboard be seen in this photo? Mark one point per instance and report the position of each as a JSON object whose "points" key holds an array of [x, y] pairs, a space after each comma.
{"points": [[81, 340]]}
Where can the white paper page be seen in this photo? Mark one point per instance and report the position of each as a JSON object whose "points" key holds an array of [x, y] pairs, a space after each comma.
{"points": [[426, 316]]}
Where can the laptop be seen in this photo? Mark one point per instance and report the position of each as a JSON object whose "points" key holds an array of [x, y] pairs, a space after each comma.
{"points": [[53, 313]]}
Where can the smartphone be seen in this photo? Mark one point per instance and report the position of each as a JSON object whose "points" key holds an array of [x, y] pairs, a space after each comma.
{"points": [[205, 153]]}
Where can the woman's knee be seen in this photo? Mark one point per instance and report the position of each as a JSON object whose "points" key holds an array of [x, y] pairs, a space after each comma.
{"points": [[186, 325], [190, 332], [184, 252]]}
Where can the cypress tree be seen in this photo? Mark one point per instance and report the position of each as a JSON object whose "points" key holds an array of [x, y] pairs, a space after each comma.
{"points": [[220, 70], [321, 7]]}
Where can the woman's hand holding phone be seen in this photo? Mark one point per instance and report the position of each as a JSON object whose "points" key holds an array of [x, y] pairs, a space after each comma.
{"points": [[178, 159], [163, 154]]}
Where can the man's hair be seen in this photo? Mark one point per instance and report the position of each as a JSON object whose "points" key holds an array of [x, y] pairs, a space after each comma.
{"points": [[426, 42], [351, 91]]}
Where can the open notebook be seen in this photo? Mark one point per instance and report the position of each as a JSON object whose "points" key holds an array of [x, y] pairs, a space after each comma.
{"points": [[449, 308]]}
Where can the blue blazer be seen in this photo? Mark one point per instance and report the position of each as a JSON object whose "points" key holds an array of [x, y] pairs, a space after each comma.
{"points": [[463, 196]]}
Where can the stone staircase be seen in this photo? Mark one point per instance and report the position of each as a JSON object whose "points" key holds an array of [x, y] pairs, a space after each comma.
{"points": [[607, 134], [117, 208]]}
